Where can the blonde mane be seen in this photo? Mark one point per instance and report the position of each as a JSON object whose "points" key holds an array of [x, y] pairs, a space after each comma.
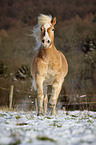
{"points": [[42, 20]]}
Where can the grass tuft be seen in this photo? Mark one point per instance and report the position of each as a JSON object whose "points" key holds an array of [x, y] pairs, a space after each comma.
{"points": [[44, 138]]}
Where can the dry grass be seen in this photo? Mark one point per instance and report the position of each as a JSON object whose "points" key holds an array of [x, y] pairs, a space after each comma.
{"points": [[5, 108]]}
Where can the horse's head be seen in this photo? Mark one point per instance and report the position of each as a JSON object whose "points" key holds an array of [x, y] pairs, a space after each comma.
{"points": [[47, 33], [44, 31]]}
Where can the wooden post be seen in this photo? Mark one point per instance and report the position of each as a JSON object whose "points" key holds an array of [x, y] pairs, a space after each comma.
{"points": [[11, 96]]}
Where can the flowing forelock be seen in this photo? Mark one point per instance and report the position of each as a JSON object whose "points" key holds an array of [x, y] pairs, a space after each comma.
{"points": [[44, 19]]}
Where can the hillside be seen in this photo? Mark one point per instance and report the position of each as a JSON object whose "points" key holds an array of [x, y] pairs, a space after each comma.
{"points": [[13, 12]]}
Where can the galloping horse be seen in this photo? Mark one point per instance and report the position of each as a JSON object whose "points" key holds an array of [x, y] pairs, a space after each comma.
{"points": [[49, 66]]}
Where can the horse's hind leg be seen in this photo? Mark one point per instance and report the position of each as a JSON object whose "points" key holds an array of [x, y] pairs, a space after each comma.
{"points": [[45, 104], [45, 99]]}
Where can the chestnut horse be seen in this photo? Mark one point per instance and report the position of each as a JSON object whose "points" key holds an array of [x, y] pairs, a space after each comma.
{"points": [[49, 66]]}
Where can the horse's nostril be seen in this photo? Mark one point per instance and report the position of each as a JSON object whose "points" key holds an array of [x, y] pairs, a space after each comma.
{"points": [[48, 41], [43, 41]]}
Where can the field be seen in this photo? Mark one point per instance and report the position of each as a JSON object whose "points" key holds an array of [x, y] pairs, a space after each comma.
{"points": [[67, 128]]}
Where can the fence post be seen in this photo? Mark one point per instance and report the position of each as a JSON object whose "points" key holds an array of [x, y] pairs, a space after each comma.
{"points": [[11, 96]]}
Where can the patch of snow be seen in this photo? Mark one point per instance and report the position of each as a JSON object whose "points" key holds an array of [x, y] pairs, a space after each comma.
{"points": [[69, 128]]}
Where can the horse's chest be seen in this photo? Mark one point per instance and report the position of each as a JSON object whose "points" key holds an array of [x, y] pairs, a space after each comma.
{"points": [[50, 76]]}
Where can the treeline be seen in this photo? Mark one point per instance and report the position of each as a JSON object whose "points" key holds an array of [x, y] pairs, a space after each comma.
{"points": [[26, 11]]}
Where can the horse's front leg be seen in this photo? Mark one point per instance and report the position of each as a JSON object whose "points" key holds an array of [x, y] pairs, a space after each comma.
{"points": [[40, 96], [56, 88], [52, 100]]}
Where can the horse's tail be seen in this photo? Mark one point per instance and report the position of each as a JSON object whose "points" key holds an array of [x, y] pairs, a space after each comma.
{"points": [[34, 85]]}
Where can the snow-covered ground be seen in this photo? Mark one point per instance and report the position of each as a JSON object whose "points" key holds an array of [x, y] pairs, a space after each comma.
{"points": [[67, 128]]}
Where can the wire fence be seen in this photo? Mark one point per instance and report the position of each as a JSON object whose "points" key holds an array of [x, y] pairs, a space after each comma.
{"points": [[75, 104]]}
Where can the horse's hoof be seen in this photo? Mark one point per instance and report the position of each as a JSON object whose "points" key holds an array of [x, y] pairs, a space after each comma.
{"points": [[51, 105], [52, 102], [53, 113], [40, 114]]}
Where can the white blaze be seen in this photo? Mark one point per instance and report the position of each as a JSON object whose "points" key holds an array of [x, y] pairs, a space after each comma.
{"points": [[46, 37]]}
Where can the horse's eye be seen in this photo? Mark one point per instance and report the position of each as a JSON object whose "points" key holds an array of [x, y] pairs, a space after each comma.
{"points": [[52, 29]]}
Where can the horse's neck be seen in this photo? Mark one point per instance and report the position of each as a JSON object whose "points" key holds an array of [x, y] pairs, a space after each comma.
{"points": [[49, 53], [49, 50]]}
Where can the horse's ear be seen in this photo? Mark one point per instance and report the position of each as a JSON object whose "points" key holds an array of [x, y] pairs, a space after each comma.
{"points": [[53, 21]]}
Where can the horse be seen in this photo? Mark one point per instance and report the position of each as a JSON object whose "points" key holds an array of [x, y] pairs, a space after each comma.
{"points": [[49, 66]]}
